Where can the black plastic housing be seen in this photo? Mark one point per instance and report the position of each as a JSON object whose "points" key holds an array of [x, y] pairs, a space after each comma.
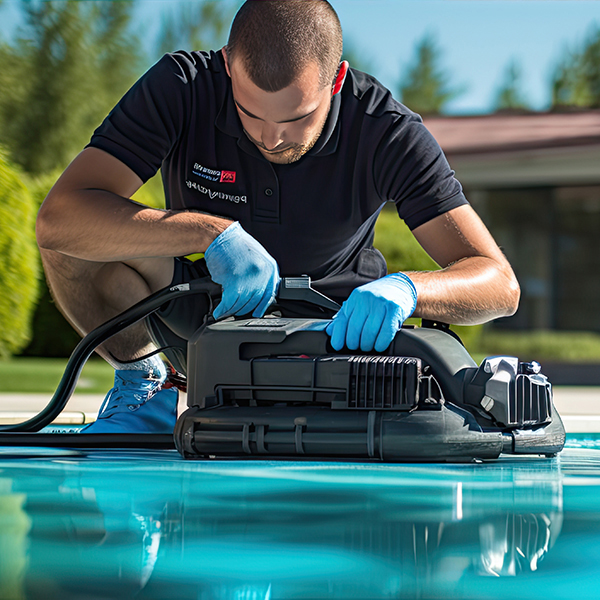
{"points": [[274, 387]]}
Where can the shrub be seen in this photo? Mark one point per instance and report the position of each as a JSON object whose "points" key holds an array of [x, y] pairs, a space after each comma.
{"points": [[52, 335], [19, 260]]}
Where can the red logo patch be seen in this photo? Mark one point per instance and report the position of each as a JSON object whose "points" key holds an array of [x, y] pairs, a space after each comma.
{"points": [[227, 177]]}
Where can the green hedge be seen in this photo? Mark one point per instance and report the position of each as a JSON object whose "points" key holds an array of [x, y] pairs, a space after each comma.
{"points": [[19, 260], [52, 334]]}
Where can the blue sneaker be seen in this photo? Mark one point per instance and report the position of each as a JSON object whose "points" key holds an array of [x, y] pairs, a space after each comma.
{"points": [[136, 404]]}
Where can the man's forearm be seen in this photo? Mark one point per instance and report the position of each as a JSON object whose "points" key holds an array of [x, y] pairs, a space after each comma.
{"points": [[471, 291], [97, 225]]}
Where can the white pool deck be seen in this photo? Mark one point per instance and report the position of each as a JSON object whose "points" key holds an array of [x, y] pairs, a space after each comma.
{"points": [[579, 408]]}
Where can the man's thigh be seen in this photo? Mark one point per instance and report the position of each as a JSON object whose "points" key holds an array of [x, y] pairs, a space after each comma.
{"points": [[70, 272]]}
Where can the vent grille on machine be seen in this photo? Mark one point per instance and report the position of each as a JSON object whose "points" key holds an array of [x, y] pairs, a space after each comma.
{"points": [[532, 401], [384, 382]]}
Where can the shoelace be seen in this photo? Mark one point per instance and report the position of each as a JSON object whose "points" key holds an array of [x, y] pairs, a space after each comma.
{"points": [[114, 399]]}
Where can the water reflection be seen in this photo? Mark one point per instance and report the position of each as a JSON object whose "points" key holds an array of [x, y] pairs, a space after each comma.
{"points": [[152, 526]]}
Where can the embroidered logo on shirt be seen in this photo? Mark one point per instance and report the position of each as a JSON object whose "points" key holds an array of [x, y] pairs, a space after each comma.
{"points": [[212, 194], [213, 174]]}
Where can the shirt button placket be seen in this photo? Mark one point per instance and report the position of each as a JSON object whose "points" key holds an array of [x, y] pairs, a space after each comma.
{"points": [[266, 208]]}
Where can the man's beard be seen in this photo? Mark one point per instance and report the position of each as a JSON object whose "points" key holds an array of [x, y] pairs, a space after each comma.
{"points": [[290, 154]]}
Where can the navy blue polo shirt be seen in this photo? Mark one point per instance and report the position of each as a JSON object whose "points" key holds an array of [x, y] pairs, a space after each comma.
{"points": [[314, 216]]}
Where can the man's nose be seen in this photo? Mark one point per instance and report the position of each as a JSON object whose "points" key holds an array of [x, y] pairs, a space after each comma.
{"points": [[272, 135]]}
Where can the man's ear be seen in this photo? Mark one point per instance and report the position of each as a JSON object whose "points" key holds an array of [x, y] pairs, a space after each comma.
{"points": [[226, 59], [340, 76]]}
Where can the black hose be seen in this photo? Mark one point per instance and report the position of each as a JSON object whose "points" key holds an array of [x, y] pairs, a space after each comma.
{"points": [[92, 340]]}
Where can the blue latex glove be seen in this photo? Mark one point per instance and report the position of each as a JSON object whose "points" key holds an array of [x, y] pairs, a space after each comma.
{"points": [[373, 314], [247, 273]]}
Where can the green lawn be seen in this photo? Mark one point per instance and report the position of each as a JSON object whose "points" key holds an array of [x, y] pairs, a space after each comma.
{"points": [[41, 375]]}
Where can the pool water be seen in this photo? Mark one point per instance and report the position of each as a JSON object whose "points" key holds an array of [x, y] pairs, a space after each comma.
{"points": [[146, 524]]}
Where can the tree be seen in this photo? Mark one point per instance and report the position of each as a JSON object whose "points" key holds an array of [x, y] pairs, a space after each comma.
{"points": [[79, 58], [118, 61], [19, 263], [197, 26], [425, 86], [576, 78], [509, 95]]}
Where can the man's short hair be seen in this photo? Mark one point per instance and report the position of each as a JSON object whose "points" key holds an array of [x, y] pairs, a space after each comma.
{"points": [[277, 39]]}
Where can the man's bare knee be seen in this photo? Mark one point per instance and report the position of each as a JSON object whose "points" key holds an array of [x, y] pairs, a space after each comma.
{"points": [[121, 285], [157, 272], [90, 293]]}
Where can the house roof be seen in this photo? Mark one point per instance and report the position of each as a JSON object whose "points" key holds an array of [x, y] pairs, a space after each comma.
{"points": [[508, 132]]}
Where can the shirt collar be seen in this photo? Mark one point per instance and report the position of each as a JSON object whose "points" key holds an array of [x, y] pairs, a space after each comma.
{"points": [[328, 140]]}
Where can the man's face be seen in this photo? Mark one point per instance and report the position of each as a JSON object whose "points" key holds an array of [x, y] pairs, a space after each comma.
{"points": [[284, 125]]}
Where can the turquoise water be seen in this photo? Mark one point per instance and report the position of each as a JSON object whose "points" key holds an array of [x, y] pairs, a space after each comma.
{"points": [[110, 524]]}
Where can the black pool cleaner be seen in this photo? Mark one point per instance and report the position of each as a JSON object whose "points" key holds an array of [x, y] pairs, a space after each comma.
{"points": [[275, 388]]}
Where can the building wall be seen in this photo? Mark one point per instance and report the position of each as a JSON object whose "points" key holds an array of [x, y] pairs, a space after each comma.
{"points": [[551, 236]]}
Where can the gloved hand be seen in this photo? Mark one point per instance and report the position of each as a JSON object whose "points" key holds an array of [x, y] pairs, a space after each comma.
{"points": [[247, 273], [373, 313]]}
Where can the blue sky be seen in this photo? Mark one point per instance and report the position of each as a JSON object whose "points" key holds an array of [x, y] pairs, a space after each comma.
{"points": [[478, 39]]}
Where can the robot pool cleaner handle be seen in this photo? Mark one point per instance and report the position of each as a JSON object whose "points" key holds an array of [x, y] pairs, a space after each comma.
{"points": [[299, 288]]}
